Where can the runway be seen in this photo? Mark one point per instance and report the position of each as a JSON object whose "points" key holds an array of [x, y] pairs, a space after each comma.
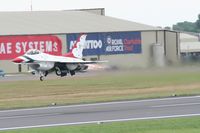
{"points": [[100, 112], [28, 76]]}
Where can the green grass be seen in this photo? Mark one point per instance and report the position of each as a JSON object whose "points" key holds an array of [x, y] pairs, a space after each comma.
{"points": [[172, 125], [106, 86]]}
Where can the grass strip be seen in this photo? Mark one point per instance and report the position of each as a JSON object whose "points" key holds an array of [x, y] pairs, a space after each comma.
{"points": [[171, 125], [109, 86]]}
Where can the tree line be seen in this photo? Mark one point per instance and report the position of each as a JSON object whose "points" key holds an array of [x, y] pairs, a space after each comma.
{"points": [[188, 26]]}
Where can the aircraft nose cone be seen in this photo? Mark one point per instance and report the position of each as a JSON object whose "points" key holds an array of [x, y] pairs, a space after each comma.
{"points": [[17, 60]]}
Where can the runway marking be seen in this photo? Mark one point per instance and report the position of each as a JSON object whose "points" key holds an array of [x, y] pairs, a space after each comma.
{"points": [[38, 115], [99, 104], [27, 116], [100, 121], [14, 75], [175, 105]]}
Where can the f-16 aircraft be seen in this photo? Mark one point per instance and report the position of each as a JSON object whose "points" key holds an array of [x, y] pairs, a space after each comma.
{"points": [[44, 63]]}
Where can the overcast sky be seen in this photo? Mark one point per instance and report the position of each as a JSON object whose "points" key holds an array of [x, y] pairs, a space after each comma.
{"points": [[151, 12]]}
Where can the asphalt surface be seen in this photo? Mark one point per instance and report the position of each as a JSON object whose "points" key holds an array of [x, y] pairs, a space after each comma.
{"points": [[18, 77], [101, 112], [28, 76]]}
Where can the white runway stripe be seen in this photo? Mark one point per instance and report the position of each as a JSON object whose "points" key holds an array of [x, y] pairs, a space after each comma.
{"points": [[100, 121]]}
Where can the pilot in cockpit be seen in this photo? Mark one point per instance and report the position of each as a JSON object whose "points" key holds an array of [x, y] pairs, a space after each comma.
{"points": [[32, 52]]}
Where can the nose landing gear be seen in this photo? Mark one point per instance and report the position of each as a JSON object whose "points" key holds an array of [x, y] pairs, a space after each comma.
{"points": [[41, 78], [42, 75]]}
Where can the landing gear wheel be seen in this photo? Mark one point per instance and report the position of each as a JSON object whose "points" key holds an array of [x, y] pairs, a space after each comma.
{"points": [[72, 73], [41, 78], [58, 71]]}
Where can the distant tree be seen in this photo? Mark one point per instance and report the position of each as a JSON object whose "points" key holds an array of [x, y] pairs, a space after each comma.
{"points": [[185, 26], [188, 26], [198, 22]]}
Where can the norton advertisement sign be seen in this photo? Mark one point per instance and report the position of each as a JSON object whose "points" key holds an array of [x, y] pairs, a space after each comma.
{"points": [[13, 46]]}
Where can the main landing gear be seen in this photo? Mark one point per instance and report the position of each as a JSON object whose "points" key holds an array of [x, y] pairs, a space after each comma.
{"points": [[72, 73]]}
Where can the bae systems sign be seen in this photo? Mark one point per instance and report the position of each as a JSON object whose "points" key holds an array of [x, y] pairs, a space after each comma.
{"points": [[13, 46], [108, 43]]}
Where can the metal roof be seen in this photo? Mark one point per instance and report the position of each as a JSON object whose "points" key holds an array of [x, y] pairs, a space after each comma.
{"points": [[184, 37], [189, 43], [58, 22]]}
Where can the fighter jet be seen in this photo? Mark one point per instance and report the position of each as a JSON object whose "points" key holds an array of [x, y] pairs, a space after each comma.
{"points": [[44, 63]]}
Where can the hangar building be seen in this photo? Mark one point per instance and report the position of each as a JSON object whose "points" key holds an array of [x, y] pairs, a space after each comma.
{"points": [[189, 47], [123, 43]]}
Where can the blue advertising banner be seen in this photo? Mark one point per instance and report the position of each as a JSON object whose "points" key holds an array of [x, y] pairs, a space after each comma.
{"points": [[108, 43]]}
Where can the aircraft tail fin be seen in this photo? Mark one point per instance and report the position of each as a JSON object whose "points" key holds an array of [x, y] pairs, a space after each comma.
{"points": [[77, 49]]}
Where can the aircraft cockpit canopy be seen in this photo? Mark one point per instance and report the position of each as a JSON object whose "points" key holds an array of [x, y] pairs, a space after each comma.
{"points": [[33, 52]]}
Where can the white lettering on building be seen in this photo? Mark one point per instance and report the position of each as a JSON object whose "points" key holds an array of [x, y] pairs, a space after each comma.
{"points": [[6, 48], [44, 46], [117, 42], [114, 48], [90, 44]]}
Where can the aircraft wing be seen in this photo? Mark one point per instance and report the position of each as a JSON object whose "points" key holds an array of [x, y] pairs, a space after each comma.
{"points": [[67, 62], [82, 62]]}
